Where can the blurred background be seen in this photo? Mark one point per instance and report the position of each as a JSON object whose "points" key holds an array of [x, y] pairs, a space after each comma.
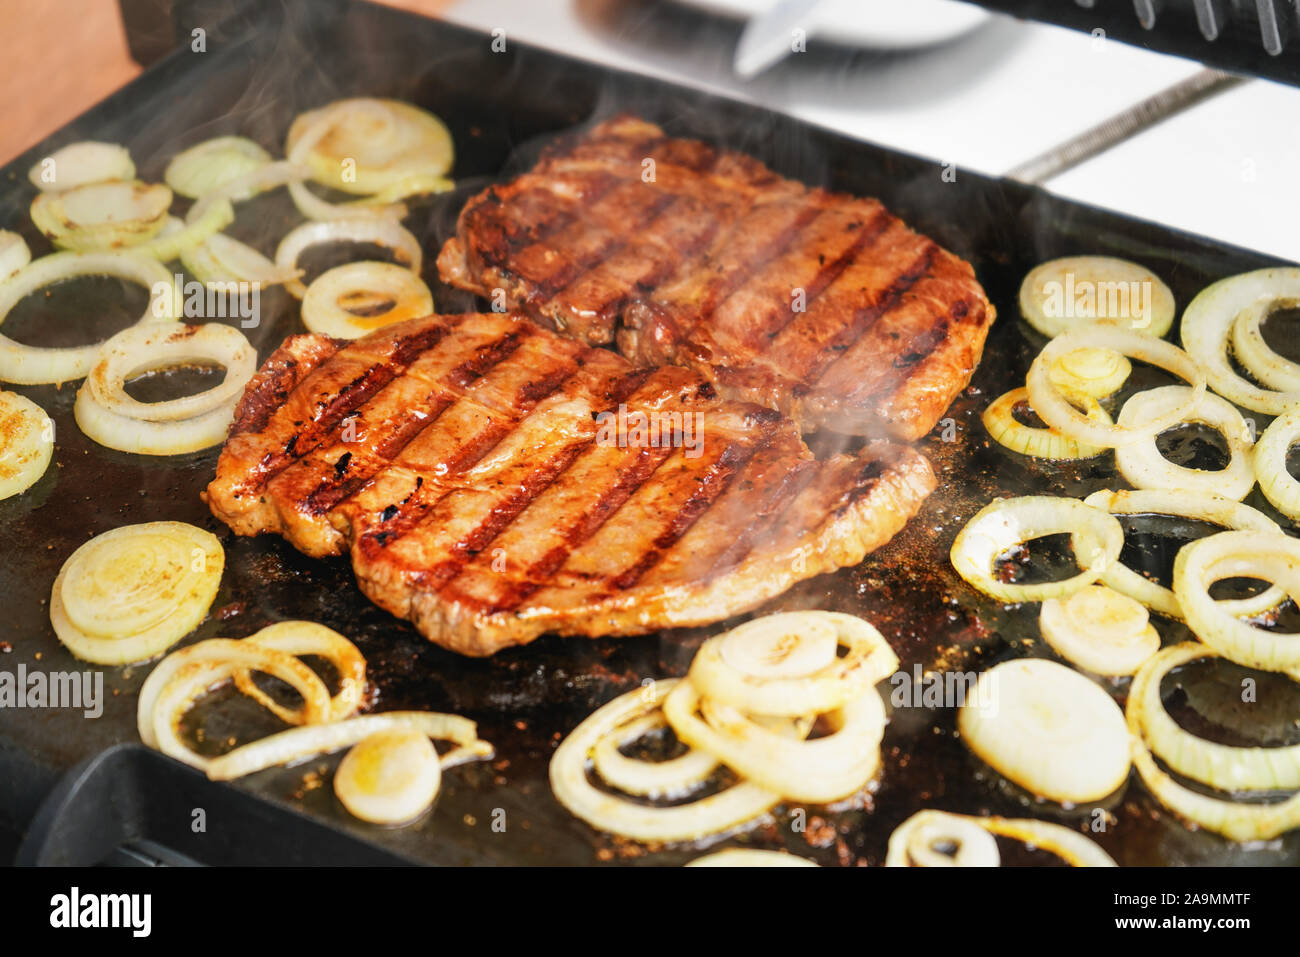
{"points": [[950, 81]]}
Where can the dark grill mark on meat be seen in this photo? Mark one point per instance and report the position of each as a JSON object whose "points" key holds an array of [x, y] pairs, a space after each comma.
{"points": [[476, 499], [703, 273]]}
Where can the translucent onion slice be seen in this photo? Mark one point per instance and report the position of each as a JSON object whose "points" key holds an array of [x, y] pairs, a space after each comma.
{"points": [[300, 638], [318, 129], [1057, 412], [389, 777], [172, 242], [14, 254], [1206, 330], [300, 744], [130, 578], [1269, 462], [926, 829], [387, 142], [136, 605], [717, 814], [1248, 554], [1095, 373], [212, 164], [1234, 820], [78, 164], [1218, 765], [750, 857], [26, 443], [1006, 523], [1005, 429], [670, 779], [1255, 355], [1143, 465], [1194, 505], [938, 839], [33, 365], [824, 770], [1049, 729], [152, 346], [186, 675], [102, 216], [1099, 630], [325, 306], [386, 233], [144, 437], [1062, 294], [220, 259], [250, 184], [741, 667]]}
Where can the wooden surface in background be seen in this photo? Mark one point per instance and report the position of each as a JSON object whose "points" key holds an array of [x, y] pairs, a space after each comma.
{"points": [[58, 58]]}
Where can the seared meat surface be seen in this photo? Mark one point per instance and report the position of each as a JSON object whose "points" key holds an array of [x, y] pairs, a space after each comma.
{"points": [[821, 305], [493, 481]]}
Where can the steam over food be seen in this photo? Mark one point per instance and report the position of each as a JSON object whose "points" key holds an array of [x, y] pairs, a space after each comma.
{"points": [[493, 481], [821, 305]]}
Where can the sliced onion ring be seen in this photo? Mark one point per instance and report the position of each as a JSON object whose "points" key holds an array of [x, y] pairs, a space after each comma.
{"points": [[34, 365], [1005, 523], [300, 638], [183, 676], [382, 232], [212, 164], [102, 216], [119, 608], [389, 777], [1255, 355], [1047, 728], [153, 346], [1218, 765], [1099, 630], [1270, 465], [1194, 505], [245, 187], [26, 443], [219, 260], [669, 779], [715, 815], [1071, 846], [1144, 466], [1057, 412], [171, 243], [869, 660], [299, 744], [78, 164], [363, 283], [1000, 421], [1246, 554], [1207, 328], [825, 770], [915, 842], [14, 254], [143, 437], [1095, 373], [1234, 820], [1049, 295]]}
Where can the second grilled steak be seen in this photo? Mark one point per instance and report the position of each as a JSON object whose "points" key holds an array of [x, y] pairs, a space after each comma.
{"points": [[821, 305], [493, 481]]}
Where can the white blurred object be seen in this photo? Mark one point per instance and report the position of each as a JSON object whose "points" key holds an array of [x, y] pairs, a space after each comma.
{"points": [[877, 24]]}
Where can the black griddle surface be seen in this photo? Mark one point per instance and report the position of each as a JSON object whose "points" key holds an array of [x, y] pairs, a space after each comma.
{"points": [[501, 108]]}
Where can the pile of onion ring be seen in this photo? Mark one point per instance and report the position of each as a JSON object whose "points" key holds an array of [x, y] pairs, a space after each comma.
{"points": [[107, 414], [131, 593], [392, 774], [940, 839], [749, 702]]}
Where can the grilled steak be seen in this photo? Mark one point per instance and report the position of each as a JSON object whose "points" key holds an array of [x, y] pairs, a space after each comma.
{"points": [[818, 304], [493, 481]]}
